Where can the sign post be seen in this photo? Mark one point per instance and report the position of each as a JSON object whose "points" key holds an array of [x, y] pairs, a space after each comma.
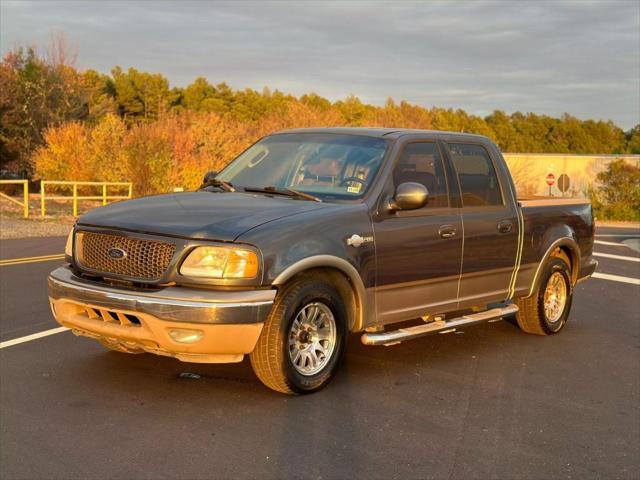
{"points": [[551, 179]]}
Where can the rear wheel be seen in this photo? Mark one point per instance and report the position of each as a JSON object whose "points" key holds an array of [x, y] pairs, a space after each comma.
{"points": [[303, 340], [546, 311]]}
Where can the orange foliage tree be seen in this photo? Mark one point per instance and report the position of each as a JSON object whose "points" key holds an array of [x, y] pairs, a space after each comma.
{"points": [[174, 151], [133, 126]]}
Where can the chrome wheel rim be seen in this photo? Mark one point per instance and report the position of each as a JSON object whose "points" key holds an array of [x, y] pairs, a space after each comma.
{"points": [[555, 297], [312, 338]]}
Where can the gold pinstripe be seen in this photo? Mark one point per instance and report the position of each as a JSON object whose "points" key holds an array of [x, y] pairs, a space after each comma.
{"points": [[514, 275]]}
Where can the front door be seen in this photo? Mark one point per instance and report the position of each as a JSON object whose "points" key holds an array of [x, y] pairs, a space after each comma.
{"points": [[418, 252], [490, 227]]}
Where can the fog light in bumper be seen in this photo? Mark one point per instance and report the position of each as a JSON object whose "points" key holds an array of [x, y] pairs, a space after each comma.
{"points": [[184, 335]]}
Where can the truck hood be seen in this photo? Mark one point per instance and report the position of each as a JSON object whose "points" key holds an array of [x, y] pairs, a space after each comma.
{"points": [[222, 216]]}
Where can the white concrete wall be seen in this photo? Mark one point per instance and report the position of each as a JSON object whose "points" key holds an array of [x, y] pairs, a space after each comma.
{"points": [[529, 171]]}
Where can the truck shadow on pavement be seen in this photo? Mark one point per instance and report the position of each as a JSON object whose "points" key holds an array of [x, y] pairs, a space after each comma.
{"points": [[369, 366], [375, 399], [377, 419]]}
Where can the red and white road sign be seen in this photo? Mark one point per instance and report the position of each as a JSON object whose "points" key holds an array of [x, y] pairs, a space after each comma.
{"points": [[551, 179]]}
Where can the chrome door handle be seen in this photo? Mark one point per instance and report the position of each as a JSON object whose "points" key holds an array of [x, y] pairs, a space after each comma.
{"points": [[447, 231], [505, 226]]}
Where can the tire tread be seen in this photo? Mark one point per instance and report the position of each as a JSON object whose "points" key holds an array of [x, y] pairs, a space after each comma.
{"points": [[530, 318], [266, 360]]}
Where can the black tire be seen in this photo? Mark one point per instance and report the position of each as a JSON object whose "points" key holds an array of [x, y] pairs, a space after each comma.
{"points": [[270, 358], [531, 317]]}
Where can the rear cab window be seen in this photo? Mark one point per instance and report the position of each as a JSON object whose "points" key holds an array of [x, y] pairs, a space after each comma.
{"points": [[479, 183]]}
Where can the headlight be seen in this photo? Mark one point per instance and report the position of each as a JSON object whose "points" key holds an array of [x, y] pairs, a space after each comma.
{"points": [[68, 248], [220, 262]]}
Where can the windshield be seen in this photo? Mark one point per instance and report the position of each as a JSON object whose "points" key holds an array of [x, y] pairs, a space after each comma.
{"points": [[325, 165]]}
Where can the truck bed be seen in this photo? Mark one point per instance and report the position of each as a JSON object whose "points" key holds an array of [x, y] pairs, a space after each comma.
{"points": [[547, 219]]}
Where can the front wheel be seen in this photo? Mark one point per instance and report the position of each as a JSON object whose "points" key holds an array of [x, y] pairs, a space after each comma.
{"points": [[303, 340], [546, 311]]}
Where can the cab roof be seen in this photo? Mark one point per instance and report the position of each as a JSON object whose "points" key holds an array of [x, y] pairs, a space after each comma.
{"points": [[391, 133]]}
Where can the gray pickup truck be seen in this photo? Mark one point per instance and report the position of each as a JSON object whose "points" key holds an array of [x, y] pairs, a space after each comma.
{"points": [[312, 234]]}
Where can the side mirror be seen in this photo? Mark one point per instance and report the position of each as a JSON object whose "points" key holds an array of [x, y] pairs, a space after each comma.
{"points": [[409, 196], [209, 176]]}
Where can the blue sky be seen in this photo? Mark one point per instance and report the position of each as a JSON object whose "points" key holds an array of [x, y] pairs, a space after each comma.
{"points": [[546, 57]]}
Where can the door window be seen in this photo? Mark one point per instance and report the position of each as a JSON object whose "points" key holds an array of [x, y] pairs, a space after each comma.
{"points": [[478, 179], [421, 163]]}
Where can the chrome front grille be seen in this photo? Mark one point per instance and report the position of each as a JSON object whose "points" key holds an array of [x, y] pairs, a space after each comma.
{"points": [[140, 258]]}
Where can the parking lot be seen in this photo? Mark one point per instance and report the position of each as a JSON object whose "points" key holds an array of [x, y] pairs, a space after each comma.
{"points": [[488, 402]]}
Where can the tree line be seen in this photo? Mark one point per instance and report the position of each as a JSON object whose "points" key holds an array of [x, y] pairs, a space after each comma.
{"points": [[58, 122]]}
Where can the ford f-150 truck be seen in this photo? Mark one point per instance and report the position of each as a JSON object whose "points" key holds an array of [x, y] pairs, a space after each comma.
{"points": [[312, 234]]}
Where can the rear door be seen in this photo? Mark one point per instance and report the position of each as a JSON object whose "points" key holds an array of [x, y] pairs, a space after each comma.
{"points": [[418, 252], [490, 225]]}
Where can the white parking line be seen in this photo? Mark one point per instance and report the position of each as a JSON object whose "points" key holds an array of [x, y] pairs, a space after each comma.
{"points": [[612, 244], [616, 257], [35, 336], [617, 278]]}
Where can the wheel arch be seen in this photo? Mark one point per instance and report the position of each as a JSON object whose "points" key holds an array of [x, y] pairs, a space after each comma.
{"points": [[339, 273], [565, 246]]}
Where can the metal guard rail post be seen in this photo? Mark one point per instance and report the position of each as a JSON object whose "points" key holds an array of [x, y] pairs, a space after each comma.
{"points": [[25, 195], [75, 197]]}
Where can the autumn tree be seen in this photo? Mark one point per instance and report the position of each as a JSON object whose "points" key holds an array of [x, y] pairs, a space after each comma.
{"points": [[34, 95], [617, 192], [315, 101], [126, 118], [65, 154], [633, 140], [141, 95], [352, 110], [201, 96], [100, 93]]}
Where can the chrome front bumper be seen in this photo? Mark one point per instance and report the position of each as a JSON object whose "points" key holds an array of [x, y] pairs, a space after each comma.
{"points": [[172, 304], [192, 325]]}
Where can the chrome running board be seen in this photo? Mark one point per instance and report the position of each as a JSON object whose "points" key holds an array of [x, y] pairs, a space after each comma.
{"points": [[396, 336]]}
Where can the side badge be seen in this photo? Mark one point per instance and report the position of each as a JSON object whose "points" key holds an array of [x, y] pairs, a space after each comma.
{"points": [[356, 240]]}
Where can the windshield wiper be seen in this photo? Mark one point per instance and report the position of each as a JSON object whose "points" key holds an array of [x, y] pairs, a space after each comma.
{"points": [[283, 191], [226, 186]]}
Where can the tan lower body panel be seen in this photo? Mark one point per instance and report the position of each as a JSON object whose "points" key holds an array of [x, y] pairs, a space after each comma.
{"points": [[217, 343], [406, 301]]}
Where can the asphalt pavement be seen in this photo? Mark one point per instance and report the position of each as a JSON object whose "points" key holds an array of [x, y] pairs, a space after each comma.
{"points": [[487, 402]]}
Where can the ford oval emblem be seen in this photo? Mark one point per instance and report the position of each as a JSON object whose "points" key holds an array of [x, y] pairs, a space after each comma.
{"points": [[117, 253]]}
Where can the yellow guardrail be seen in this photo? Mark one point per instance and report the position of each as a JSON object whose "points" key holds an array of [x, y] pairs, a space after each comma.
{"points": [[25, 194], [75, 197]]}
